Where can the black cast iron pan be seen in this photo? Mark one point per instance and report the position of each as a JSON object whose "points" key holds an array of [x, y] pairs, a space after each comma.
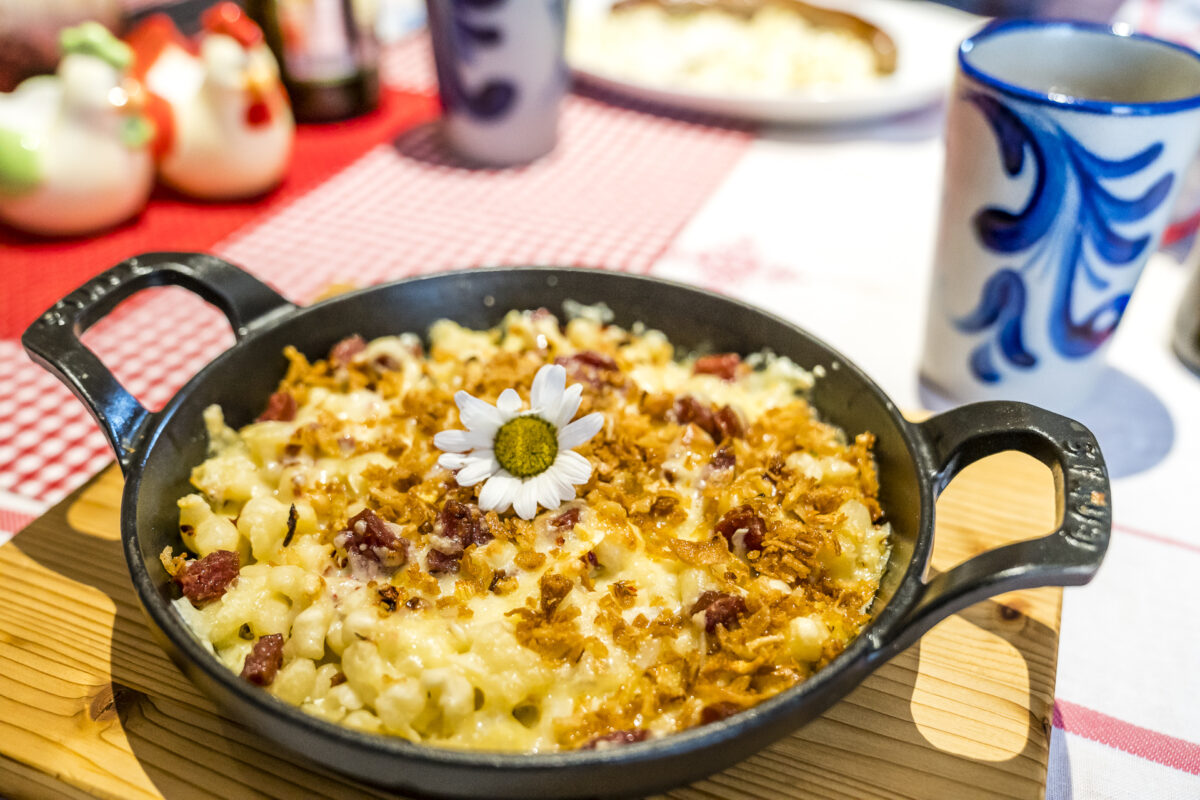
{"points": [[156, 451]]}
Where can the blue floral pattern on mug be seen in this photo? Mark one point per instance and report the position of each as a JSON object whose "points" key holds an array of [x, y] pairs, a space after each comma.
{"points": [[464, 35], [1065, 234]]}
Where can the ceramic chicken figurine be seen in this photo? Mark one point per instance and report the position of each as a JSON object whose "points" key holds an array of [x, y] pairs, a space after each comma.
{"points": [[225, 126], [74, 146]]}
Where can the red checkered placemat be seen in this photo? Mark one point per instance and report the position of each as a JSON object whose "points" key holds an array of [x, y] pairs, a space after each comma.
{"points": [[614, 193], [38, 271]]}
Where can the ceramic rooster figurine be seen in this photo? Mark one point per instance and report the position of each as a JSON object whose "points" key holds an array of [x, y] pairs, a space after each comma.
{"points": [[74, 146], [224, 125]]}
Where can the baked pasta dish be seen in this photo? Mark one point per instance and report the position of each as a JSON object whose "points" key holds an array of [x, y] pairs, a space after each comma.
{"points": [[538, 537]]}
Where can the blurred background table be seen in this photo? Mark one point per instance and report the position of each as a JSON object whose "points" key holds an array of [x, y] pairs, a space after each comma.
{"points": [[831, 228]]}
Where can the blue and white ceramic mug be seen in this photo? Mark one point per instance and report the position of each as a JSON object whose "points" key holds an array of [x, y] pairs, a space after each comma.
{"points": [[501, 76], [1065, 145]]}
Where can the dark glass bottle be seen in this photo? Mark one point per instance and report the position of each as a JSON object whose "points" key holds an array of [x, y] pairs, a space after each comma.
{"points": [[328, 55]]}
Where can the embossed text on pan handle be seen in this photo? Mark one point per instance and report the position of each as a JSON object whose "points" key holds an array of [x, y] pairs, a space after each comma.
{"points": [[1070, 555]]}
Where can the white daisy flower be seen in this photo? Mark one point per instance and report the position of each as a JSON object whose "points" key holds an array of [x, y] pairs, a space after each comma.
{"points": [[525, 456]]}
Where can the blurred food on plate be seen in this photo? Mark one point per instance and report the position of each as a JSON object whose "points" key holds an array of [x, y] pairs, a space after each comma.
{"points": [[732, 46]]}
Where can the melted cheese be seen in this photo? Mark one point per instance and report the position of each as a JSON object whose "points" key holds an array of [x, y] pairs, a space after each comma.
{"points": [[448, 664]]}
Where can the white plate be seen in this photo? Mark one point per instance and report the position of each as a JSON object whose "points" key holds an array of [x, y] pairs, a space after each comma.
{"points": [[926, 36]]}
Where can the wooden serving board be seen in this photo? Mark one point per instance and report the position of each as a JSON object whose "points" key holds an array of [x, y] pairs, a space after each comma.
{"points": [[91, 707]]}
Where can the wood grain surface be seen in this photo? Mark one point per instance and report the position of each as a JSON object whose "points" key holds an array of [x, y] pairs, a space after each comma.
{"points": [[91, 707]]}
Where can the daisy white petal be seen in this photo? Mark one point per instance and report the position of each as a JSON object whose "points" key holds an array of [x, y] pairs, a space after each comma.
{"points": [[572, 466], [453, 461], [509, 403], [455, 441], [499, 492], [564, 488], [526, 502], [480, 465], [548, 387], [480, 440], [546, 489], [477, 415], [568, 407], [580, 431]]}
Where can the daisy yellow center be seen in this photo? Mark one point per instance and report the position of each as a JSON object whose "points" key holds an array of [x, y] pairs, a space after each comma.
{"points": [[526, 446]]}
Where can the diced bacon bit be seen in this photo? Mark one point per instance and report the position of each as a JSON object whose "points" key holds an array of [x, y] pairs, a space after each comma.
{"points": [[371, 547], [723, 365], [616, 739], [720, 424], [742, 528], [208, 578], [281, 407], [589, 367], [718, 711], [342, 353], [589, 358], [728, 423], [719, 609], [566, 520], [689, 410], [338, 679], [590, 559], [414, 603], [438, 562], [264, 660], [460, 525], [722, 460]]}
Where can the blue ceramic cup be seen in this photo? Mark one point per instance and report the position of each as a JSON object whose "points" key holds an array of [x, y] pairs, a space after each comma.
{"points": [[501, 76], [1065, 145]]}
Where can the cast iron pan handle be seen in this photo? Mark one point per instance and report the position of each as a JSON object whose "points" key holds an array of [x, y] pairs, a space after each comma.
{"points": [[1068, 557], [53, 340]]}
